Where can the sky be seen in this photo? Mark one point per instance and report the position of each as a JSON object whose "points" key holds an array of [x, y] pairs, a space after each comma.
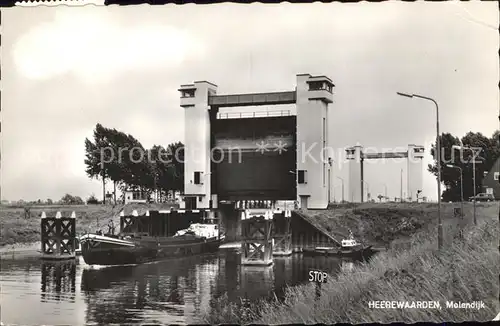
{"points": [[65, 69]]}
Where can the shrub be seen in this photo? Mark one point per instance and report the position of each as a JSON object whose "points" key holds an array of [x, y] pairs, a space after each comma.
{"points": [[92, 200]]}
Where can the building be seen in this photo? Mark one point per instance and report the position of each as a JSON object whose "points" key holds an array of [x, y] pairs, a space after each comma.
{"points": [[135, 196], [491, 183], [261, 156]]}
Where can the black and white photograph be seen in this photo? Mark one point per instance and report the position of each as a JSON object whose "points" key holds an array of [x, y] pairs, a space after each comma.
{"points": [[260, 163]]}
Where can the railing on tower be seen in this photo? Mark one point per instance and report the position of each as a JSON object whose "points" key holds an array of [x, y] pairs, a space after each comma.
{"points": [[255, 114]]}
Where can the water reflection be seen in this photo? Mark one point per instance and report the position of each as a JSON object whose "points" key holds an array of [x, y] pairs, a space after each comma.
{"points": [[170, 292], [175, 288], [57, 280], [252, 279]]}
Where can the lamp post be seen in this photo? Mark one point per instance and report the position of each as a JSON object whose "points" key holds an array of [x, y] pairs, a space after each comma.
{"points": [[438, 159], [342, 188], [461, 187], [385, 189], [473, 150], [330, 161]]}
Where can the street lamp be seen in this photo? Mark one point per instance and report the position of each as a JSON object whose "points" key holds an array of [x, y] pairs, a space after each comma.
{"points": [[461, 187], [473, 149], [342, 188], [330, 161], [438, 158], [385, 193]]}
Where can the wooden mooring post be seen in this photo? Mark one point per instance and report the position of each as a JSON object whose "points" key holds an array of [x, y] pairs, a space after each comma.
{"points": [[58, 236], [257, 242], [282, 234]]}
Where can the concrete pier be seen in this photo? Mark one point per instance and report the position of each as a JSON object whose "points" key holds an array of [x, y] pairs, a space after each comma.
{"points": [[257, 244]]}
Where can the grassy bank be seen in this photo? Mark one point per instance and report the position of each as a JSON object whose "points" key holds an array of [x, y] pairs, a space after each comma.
{"points": [[465, 270], [15, 229], [383, 223]]}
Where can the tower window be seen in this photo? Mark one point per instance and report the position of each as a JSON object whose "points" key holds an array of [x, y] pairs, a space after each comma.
{"points": [[197, 178], [301, 176], [315, 86], [187, 93]]}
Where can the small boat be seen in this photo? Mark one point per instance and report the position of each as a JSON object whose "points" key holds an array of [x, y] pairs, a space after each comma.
{"points": [[109, 249], [350, 247]]}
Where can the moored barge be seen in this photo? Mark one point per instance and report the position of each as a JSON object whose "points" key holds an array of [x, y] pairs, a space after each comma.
{"points": [[134, 246]]}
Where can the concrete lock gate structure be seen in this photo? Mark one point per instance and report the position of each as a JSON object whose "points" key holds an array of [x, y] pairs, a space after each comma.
{"points": [[239, 167], [356, 157]]}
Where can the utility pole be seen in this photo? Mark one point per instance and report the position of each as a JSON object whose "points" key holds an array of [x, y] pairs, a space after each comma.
{"points": [[401, 188], [461, 187], [474, 181]]}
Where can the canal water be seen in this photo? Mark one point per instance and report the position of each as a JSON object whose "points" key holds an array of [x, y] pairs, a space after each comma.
{"points": [[35, 292]]}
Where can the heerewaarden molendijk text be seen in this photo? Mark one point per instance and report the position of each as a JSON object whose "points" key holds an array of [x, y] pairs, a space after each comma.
{"points": [[425, 305], [404, 304]]}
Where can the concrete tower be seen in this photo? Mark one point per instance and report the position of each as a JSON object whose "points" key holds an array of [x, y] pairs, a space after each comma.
{"points": [[197, 150], [415, 170], [353, 156], [313, 96]]}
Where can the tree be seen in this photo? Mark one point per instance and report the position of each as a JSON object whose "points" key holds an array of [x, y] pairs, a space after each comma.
{"points": [[78, 200], [450, 176], [167, 168], [177, 166], [49, 201], [111, 156], [92, 200], [484, 161], [71, 200], [119, 144], [95, 156], [120, 157]]}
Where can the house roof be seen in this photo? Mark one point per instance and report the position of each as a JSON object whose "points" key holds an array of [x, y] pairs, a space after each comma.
{"points": [[495, 167], [488, 179]]}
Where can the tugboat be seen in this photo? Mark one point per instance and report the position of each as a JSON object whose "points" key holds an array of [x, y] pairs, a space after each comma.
{"points": [[350, 247], [136, 248]]}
